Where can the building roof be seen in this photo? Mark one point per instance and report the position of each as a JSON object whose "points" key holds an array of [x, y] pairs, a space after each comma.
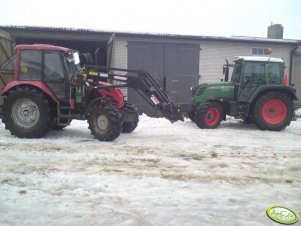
{"points": [[22, 29]]}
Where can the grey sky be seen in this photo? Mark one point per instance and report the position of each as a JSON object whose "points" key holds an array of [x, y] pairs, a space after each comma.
{"points": [[195, 17]]}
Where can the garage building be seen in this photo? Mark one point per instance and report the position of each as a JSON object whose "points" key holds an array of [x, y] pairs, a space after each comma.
{"points": [[176, 61]]}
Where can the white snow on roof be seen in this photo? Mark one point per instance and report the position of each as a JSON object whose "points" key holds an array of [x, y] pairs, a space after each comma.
{"points": [[259, 58]]}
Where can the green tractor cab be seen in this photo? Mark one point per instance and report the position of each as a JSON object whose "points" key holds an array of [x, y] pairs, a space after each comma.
{"points": [[257, 93]]}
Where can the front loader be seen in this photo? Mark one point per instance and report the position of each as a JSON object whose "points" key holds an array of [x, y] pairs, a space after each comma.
{"points": [[44, 88]]}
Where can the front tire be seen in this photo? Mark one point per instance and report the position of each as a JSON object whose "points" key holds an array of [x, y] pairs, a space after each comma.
{"points": [[104, 122], [130, 110], [273, 111], [209, 115], [27, 113]]}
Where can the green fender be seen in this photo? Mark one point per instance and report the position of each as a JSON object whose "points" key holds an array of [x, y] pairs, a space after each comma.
{"points": [[268, 88]]}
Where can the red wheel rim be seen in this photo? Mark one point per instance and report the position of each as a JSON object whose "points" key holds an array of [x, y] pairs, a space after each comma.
{"points": [[212, 116], [274, 111]]}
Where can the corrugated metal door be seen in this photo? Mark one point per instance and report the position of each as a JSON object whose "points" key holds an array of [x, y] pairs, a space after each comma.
{"points": [[6, 46], [181, 71], [148, 57], [174, 66]]}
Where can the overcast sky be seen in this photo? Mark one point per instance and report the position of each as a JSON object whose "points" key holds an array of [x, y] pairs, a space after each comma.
{"points": [[194, 17]]}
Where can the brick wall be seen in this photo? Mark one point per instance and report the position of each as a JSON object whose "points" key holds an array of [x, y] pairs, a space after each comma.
{"points": [[119, 58]]}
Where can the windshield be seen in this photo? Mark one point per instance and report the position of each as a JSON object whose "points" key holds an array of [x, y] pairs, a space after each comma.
{"points": [[72, 63], [236, 72]]}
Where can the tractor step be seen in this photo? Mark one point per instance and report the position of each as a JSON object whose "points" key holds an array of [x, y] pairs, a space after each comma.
{"points": [[1, 112], [62, 124], [65, 116], [65, 108]]}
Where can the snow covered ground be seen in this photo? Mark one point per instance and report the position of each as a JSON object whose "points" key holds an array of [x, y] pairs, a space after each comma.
{"points": [[161, 174]]}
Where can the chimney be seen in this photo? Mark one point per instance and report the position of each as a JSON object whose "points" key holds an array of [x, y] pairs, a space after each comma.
{"points": [[275, 31]]}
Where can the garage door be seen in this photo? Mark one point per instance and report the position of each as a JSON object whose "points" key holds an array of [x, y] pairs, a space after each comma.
{"points": [[174, 66]]}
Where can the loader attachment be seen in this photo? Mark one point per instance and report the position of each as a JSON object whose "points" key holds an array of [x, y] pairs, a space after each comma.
{"points": [[140, 81]]}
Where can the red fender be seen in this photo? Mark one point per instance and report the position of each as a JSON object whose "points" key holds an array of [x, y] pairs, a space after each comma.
{"points": [[38, 84]]}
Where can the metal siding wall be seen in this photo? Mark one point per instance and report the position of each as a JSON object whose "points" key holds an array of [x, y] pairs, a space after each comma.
{"points": [[296, 78], [213, 55], [6, 42]]}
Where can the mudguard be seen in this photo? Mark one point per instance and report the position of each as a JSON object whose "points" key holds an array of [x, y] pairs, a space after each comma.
{"points": [[266, 88], [38, 84]]}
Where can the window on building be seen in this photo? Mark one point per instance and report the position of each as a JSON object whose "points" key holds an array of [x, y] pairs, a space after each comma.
{"points": [[260, 51]]}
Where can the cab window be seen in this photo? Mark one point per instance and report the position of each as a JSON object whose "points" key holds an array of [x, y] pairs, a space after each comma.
{"points": [[53, 66], [254, 71], [275, 72], [236, 72], [30, 65]]}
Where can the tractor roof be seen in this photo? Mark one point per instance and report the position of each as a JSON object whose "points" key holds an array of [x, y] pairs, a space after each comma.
{"points": [[259, 58], [42, 47]]}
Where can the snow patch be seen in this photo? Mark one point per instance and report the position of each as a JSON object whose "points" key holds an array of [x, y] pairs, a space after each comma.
{"points": [[161, 174]]}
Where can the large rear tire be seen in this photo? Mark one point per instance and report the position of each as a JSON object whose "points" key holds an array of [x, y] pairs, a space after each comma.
{"points": [[129, 110], [273, 111], [104, 122], [27, 113], [209, 115]]}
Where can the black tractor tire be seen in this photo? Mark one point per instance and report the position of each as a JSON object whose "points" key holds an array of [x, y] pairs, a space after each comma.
{"points": [[128, 127], [273, 111], [105, 122], [56, 127], [191, 116], [27, 113], [248, 120], [209, 115]]}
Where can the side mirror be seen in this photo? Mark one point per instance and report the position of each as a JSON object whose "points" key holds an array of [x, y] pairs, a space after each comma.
{"points": [[86, 58], [224, 69]]}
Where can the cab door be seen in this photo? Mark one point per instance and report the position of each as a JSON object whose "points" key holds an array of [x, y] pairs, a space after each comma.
{"points": [[253, 76], [54, 73]]}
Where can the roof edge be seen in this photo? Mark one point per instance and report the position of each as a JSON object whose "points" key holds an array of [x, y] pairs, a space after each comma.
{"points": [[157, 35]]}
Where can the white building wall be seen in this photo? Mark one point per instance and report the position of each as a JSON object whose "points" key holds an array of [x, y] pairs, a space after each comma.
{"points": [[213, 55]]}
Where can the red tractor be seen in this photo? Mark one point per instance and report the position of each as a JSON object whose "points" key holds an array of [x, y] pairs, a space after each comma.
{"points": [[44, 87]]}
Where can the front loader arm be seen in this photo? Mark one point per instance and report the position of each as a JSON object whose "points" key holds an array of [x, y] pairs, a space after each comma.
{"points": [[140, 81]]}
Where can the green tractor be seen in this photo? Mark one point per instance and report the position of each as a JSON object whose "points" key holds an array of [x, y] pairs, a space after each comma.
{"points": [[257, 93]]}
